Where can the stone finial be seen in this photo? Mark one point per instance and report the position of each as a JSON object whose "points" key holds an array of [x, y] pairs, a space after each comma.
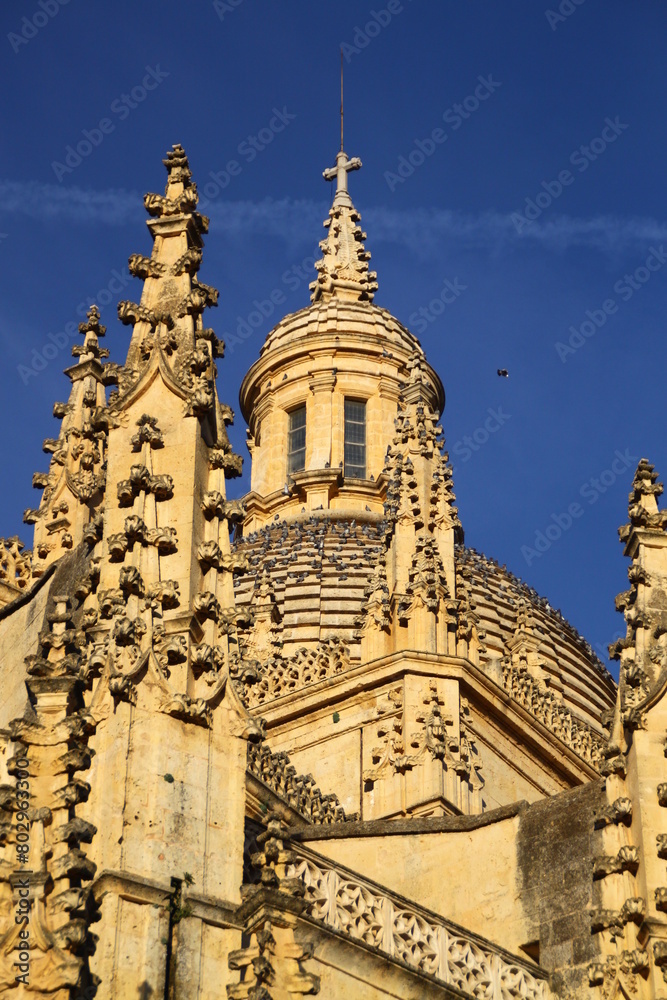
{"points": [[275, 857], [178, 168], [92, 330], [343, 269], [180, 196], [645, 483], [92, 324], [643, 498]]}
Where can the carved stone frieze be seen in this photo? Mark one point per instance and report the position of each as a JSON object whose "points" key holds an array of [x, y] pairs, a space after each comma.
{"points": [[436, 739], [16, 569], [299, 790], [548, 708], [278, 677], [363, 911]]}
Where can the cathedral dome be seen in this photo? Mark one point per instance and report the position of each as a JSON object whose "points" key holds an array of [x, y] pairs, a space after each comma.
{"points": [[351, 546], [362, 326]]}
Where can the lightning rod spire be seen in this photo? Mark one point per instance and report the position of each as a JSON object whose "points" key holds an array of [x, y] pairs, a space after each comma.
{"points": [[341, 98]]}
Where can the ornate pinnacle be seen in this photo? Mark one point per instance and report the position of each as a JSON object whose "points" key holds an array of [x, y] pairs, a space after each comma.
{"points": [[643, 503], [645, 485], [180, 196], [74, 486], [92, 329], [343, 270], [177, 166]]}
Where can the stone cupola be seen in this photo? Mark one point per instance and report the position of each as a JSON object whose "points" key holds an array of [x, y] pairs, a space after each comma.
{"points": [[313, 367]]}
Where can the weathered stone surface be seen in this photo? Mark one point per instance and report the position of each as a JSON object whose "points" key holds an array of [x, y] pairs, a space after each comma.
{"points": [[556, 846]]}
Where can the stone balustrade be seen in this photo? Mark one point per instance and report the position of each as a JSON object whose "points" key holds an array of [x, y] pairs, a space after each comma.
{"points": [[415, 936]]}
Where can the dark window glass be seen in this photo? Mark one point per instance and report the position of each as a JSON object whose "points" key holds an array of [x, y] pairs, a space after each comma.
{"points": [[296, 443], [355, 439]]}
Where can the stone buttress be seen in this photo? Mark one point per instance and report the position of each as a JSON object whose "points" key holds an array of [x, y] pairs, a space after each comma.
{"points": [[631, 919], [129, 684]]}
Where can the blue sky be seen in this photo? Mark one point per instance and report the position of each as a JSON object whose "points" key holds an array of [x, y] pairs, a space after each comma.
{"points": [[470, 119]]}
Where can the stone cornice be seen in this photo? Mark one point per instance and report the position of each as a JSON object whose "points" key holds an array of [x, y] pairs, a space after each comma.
{"points": [[92, 367], [311, 477], [264, 405], [130, 886], [256, 503], [649, 537], [416, 825], [289, 506], [388, 388], [137, 889], [170, 224], [476, 684], [212, 911]]}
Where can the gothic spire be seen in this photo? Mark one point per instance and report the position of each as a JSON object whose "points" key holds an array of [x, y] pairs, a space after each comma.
{"points": [[643, 652], [343, 269], [167, 323], [74, 485]]}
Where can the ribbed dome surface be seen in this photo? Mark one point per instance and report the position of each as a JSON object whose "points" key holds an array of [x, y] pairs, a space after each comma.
{"points": [[357, 330], [344, 316], [318, 568], [588, 687]]}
